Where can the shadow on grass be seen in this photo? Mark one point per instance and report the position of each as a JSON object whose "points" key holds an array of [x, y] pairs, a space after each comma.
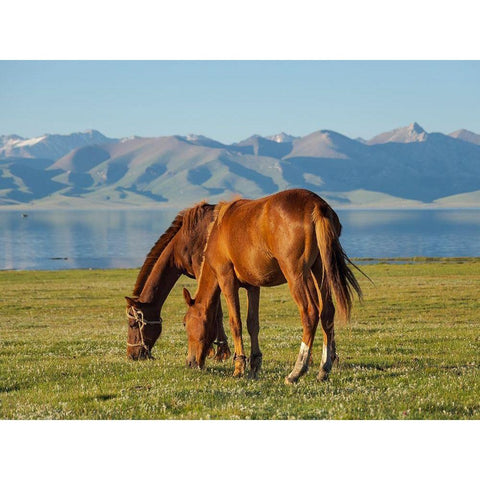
{"points": [[374, 370], [10, 388], [104, 397], [363, 366]]}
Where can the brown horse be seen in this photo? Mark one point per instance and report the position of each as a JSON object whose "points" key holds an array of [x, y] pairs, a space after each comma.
{"points": [[291, 236], [178, 251]]}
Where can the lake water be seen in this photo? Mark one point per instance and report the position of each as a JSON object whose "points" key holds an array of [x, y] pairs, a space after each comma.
{"points": [[55, 240]]}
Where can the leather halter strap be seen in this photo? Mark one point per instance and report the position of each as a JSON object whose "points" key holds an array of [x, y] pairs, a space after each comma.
{"points": [[137, 315]]}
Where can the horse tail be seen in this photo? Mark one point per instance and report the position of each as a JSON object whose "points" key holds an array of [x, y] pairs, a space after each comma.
{"points": [[336, 274]]}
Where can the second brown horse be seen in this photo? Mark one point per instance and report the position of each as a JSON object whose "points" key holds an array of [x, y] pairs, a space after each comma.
{"points": [[178, 251], [291, 236]]}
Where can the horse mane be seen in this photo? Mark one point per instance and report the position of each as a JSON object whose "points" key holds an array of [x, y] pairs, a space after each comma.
{"points": [[218, 212], [188, 217], [221, 209]]}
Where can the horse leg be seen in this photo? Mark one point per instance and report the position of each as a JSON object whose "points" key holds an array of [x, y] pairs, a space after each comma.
{"points": [[223, 352], [253, 325], [305, 295], [229, 286], [329, 354]]}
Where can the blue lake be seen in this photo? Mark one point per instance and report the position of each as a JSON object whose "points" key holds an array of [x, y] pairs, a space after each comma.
{"points": [[60, 239]]}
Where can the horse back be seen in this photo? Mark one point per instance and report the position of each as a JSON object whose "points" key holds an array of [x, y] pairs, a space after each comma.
{"points": [[271, 222], [261, 238]]}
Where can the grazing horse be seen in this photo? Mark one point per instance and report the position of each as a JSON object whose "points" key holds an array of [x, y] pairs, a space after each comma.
{"points": [[291, 236], [178, 251]]}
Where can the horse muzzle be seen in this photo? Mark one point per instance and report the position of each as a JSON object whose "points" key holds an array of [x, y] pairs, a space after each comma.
{"points": [[140, 354], [192, 363], [195, 362]]}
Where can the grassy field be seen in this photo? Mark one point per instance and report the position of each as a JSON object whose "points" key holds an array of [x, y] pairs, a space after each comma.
{"points": [[411, 351]]}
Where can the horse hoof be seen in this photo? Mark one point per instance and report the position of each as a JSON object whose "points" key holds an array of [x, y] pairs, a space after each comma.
{"points": [[253, 374], [322, 376], [336, 361], [223, 353], [290, 381], [239, 362], [255, 365]]}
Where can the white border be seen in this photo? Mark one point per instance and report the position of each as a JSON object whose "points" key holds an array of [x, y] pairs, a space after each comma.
{"points": [[239, 449], [54, 29], [218, 29]]}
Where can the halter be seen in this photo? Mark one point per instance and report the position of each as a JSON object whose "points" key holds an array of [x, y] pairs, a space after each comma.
{"points": [[137, 315]]}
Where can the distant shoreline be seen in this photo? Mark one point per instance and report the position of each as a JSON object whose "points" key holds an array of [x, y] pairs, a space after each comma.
{"points": [[357, 260], [177, 207]]}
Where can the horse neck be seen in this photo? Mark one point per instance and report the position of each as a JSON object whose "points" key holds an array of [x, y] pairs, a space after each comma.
{"points": [[208, 288], [162, 278]]}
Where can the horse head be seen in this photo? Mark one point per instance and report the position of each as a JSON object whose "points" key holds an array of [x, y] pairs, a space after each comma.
{"points": [[201, 331], [144, 328]]}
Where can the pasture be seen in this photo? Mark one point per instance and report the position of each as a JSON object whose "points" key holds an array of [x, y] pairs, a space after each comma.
{"points": [[411, 351]]}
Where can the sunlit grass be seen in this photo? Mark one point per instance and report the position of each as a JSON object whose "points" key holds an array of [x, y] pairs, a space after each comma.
{"points": [[411, 351]]}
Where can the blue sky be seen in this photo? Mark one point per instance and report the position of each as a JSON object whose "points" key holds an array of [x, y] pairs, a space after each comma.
{"points": [[231, 100]]}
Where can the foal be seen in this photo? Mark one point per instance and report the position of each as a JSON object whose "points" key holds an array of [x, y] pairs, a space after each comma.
{"points": [[291, 236]]}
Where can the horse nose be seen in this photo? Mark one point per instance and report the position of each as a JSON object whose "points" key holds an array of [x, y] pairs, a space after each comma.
{"points": [[192, 363], [144, 355], [130, 354]]}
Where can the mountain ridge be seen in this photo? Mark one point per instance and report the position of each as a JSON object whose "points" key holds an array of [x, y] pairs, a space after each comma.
{"points": [[411, 133], [48, 145], [405, 167], [466, 135]]}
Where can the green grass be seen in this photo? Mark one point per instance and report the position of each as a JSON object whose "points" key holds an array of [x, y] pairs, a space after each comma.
{"points": [[411, 351]]}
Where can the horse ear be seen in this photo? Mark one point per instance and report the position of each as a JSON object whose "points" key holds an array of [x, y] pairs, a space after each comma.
{"points": [[132, 302], [188, 298]]}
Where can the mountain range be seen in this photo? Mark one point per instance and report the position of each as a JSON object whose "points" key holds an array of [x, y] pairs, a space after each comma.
{"points": [[403, 168]]}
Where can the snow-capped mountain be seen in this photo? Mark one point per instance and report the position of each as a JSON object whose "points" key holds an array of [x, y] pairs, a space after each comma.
{"points": [[9, 139], [413, 133], [282, 138], [202, 140], [48, 146]]}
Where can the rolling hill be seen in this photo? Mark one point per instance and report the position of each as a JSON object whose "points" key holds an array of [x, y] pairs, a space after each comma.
{"points": [[406, 167]]}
